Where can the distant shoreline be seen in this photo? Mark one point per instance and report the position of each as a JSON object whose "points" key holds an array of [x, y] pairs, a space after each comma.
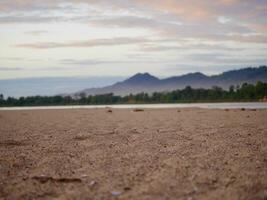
{"points": [[214, 105]]}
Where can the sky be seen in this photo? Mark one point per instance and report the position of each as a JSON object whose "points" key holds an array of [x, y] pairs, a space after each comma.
{"points": [[55, 38]]}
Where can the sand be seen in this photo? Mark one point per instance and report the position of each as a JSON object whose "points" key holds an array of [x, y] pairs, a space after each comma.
{"points": [[120, 154]]}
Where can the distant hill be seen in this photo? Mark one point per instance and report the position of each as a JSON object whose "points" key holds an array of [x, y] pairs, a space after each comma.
{"points": [[148, 83]]}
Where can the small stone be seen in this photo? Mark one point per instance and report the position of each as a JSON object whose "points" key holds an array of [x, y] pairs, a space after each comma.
{"points": [[92, 183], [116, 193]]}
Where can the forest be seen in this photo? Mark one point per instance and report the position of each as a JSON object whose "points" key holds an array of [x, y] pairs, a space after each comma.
{"points": [[245, 92]]}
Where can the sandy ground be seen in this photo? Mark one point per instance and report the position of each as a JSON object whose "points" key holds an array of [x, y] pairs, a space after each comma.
{"points": [[155, 154]]}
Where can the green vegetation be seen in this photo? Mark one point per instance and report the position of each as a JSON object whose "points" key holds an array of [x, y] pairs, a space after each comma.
{"points": [[247, 92]]}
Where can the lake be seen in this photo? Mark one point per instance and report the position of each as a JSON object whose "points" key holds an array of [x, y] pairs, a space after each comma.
{"points": [[250, 105]]}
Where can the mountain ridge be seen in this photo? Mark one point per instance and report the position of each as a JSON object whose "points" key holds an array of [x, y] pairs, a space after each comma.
{"points": [[145, 82]]}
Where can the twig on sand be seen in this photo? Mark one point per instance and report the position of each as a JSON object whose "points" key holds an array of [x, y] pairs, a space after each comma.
{"points": [[11, 143], [138, 110], [44, 179]]}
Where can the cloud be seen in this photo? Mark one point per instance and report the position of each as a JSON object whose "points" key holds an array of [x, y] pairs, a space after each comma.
{"points": [[87, 43], [28, 19], [185, 47], [133, 22], [209, 19], [35, 69], [36, 33], [11, 68], [11, 58], [229, 31], [26, 5], [93, 62], [218, 30], [87, 62], [225, 58]]}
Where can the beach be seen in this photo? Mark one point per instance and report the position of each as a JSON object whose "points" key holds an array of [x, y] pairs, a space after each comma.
{"points": [[104, 153]]}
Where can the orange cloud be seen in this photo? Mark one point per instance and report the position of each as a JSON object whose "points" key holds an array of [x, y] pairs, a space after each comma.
{"points": [[190, 10], [229, 2]]}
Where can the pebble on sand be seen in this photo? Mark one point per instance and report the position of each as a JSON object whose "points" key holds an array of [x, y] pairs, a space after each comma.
{"points": [[92, 183], [116, 193]]}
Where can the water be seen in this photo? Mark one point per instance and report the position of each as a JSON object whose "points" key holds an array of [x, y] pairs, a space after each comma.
{"points": [[252, 105]]}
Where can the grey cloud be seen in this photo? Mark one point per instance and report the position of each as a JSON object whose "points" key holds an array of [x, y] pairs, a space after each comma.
{"points": [[28, 5], [248, 38], [11, 58], [157, 47], [37, 32], [175, 29], [88, 43], [28, 19], [87, 62], [133, 22], [35, 69], [10, 69], [246, 17], [226, 58], [37, 19], [90, 62]]}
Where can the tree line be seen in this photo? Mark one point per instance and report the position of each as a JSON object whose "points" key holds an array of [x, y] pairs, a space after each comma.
{"points": [[245, 92]]}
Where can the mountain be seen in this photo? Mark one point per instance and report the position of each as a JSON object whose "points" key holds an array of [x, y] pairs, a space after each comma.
{"points": [[148, 83], [141, 79]]}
